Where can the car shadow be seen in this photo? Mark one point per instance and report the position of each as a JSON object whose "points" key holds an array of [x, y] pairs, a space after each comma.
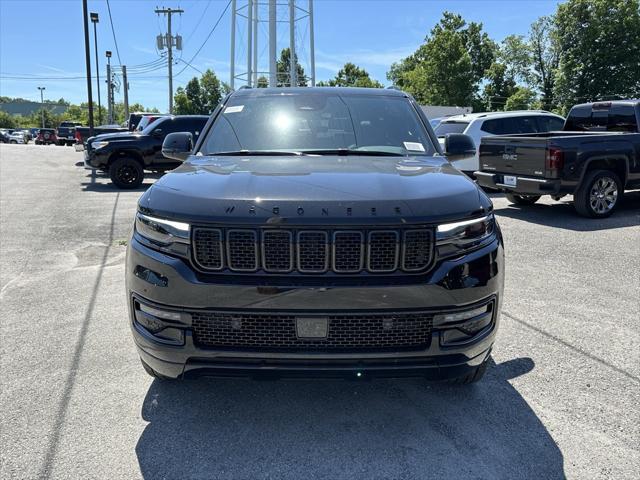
{"points": [[100, 182], [400, 428], [562, 214]]}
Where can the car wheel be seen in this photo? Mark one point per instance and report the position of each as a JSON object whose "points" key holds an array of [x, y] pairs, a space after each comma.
{"points": [[126, 173], [599, 194], [522, 199], [12, 141], [153, 373], [472, 377]]}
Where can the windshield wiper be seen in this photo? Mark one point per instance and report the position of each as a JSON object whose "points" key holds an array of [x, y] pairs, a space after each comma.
{"points": [[240, 153], [351, 151]]}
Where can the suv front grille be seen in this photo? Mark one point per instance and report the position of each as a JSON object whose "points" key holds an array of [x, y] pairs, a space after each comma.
{"points": [[316, 251], [277, 332]]}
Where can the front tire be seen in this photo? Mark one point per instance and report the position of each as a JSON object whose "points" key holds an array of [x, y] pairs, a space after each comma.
{"points": [[522, 199], [126, 173], [599, 194]]}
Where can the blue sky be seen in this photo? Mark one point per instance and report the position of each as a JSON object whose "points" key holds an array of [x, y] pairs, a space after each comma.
{"points": [[45, 39]]}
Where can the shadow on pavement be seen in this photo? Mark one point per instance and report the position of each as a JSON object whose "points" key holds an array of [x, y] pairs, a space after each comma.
{"points": [[404, 428], [561, 214], [100, 182]]}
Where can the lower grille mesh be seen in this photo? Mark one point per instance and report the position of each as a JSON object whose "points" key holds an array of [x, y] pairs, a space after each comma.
{"points": [[277, 332]]}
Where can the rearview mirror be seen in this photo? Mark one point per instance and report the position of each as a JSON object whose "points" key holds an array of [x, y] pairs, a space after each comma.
{"points": [[458, 146], [178, 146]]}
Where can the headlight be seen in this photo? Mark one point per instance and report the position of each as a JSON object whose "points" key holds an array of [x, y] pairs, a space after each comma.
{"points": [[467, 233], [166, 235], [99, 144]]}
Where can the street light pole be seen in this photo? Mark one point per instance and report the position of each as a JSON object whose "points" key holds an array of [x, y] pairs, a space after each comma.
{"points": [[87, 54], [95, 20], [42, 103], [109, 106]]}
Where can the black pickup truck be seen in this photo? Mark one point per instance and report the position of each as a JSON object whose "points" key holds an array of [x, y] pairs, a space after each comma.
{"points": [[125, 155], [66, 133], [595, 158]]}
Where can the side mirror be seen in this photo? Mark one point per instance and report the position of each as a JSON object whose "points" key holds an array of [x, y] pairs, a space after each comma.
{"points": [[178, 146], [458, 146], [157, 132]]}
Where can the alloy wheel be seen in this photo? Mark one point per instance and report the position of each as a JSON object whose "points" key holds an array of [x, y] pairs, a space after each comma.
{"points": [[603, 195]]}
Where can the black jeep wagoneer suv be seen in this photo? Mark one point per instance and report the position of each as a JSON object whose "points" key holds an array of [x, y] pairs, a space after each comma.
{"points": [[315, 231]]}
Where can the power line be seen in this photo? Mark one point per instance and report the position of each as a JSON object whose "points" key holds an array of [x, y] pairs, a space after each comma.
{"points": [[206, 39], [188, 64], [199, 21], [114, 33]]}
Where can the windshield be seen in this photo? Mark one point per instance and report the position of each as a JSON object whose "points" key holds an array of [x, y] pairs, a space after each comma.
{"points": [[152, 126], [322, 122], [450, 127]]}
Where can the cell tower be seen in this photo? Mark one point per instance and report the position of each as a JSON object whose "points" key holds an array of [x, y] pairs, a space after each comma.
{"points": [[254, 25]]}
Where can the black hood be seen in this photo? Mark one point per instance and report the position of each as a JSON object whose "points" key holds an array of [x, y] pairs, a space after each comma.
{"points": [[116, 136], [315, 189]]}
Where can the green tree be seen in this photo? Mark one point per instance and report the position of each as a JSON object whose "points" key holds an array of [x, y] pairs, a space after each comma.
{"points": [[352, 76], [200, 96], [262, 82], [543, 50], [283, 69], [523, 98], [499, 87], [448, 67], [599, 50], [7, 120]]}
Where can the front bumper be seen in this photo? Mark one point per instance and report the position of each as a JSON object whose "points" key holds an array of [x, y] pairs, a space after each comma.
{"points": [[452, 285], [524, 185]]}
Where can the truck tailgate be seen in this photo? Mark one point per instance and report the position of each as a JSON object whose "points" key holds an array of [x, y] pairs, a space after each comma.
{"points": [[524, 155]]}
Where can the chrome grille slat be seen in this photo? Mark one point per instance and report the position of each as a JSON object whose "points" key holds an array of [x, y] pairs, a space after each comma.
{"points": [[314, 251]]}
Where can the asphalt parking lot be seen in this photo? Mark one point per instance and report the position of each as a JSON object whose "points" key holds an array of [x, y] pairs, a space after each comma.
{"points": [[561, 400]]}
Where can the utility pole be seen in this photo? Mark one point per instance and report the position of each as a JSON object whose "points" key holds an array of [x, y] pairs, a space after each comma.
{"points": [[293, 81], [42, 103], [109, 89], [312, 50], [249, 41], [95, 20], [233, 45], [273, 66], [169, 42], [126, 92], [87, 52]]}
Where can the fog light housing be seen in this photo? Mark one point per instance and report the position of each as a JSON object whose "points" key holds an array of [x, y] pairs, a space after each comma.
{"points": [[461, 327], [166, 326], [456, 317]]}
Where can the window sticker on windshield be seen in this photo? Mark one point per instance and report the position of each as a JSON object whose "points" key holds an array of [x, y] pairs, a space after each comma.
{"points": [[234, 109], [414, 146]]}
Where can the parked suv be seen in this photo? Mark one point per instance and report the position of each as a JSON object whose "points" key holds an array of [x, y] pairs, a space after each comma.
{"points": [[127, 155], [479, 125], [315, 231], [46, 136]]}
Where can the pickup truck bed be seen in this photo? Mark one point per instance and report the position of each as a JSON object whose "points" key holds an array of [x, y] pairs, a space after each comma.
{"points": [[594, 166], [553, 162]]}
